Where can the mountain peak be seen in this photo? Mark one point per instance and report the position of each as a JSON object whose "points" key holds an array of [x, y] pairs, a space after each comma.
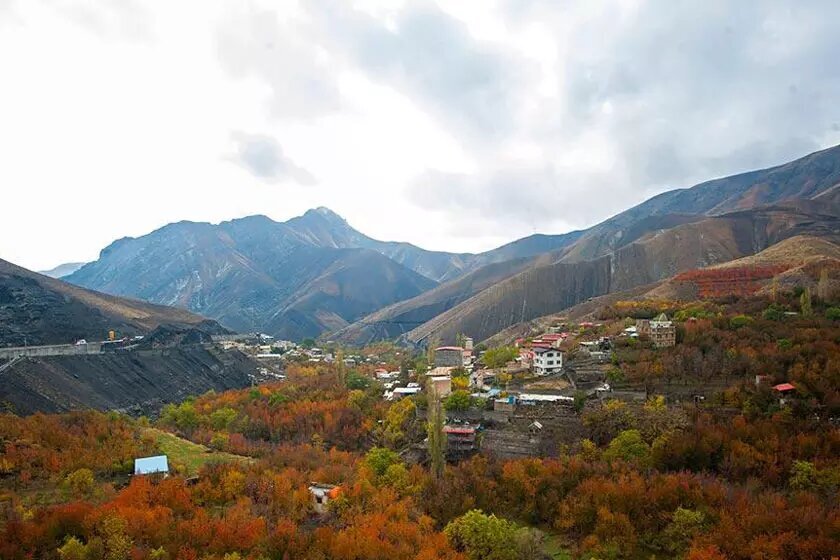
{"points": [[325, 213]]}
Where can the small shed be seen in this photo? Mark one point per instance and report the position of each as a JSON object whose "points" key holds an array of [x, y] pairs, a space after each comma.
{"points": [[158, 464], [322, 494]]}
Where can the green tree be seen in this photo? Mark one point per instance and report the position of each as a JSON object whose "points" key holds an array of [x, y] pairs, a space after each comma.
{"points": [[805, 303], [79, 483], [222, 418], [824, 286], [484, 537], [396, 422], [496, 358], [832, 313], [684, 526], [739, 321], [73, 549], [458, 400], [629, 446], [774, 312], [378, 459], [435, 436], [803, 475]]}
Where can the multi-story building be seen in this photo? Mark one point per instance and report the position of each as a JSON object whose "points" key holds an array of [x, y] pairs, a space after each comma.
{"points": [[547, 361], [661, 331], [449, 356]]}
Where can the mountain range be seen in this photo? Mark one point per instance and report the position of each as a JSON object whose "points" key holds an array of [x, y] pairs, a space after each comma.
{"points": [[36, 309], [315, 275]]}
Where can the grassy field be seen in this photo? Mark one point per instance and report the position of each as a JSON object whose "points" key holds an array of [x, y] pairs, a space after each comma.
{"points": [[187, 457]]}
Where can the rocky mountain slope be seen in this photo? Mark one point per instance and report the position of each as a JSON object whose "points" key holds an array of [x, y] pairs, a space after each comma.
{"points": [[546, 289], [295, 279], [137, 382], [815, 175], [62, 270], [36, 309], [810, 185], [801, 258]]}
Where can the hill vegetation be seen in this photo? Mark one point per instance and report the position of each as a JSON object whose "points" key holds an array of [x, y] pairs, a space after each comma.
{"points": [[740, 475]]}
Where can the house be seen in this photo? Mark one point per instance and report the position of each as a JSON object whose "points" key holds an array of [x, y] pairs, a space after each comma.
{"points": [[322, 494], [449, 356], [401, 392], [440, 379], [158, 464], [660, 330], [784, 390], [507, 404], [547, 360], [460, 439], [533, 399]]}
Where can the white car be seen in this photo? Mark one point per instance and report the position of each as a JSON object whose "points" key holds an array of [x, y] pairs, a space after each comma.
{"points": [[81, 342]]}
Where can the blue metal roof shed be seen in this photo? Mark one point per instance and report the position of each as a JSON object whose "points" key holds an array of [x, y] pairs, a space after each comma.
{"points": [[151, 465]]}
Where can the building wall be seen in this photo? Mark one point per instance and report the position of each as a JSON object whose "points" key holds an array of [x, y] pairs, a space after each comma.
{"points": [[449, 358], [543, 365]]}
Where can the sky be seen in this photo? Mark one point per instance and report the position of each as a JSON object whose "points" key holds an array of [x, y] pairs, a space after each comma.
{"points": [[456, 126]]}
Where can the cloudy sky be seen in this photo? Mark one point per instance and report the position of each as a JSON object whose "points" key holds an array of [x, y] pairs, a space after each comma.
{"points": [[455, 125]]}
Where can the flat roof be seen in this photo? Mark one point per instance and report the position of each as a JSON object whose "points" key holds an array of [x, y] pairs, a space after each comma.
{"points": [[151, 465], [544, 398]]}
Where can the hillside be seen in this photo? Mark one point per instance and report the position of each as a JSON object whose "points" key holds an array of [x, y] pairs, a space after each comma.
{"points": [[801, 258], [815, 175], [62, 270], [295, 279], [36, 309], [137, 382], [547, 289], [399, 318]]}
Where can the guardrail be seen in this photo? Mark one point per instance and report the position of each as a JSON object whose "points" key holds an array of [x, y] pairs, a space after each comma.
{"points": [[50, 350]]}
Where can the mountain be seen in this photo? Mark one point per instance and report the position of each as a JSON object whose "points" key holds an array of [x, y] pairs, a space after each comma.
{"points": [[62, 270], [36, 309], [295, 279], [808, 185], [814, 176], [798, 262], [550, 288]]}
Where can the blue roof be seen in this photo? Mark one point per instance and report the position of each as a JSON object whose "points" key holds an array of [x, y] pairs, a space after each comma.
{"points": [[150, 465]]}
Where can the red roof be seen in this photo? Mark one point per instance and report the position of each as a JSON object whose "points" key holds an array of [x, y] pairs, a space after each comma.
{"points": [[782, 387], [551, 336], [454, 430]]}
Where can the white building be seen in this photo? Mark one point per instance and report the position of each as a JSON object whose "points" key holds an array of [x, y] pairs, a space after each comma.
{"points": [[547, 361]]}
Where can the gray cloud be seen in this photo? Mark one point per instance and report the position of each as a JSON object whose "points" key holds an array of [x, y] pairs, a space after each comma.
{"points": [[473, 87], [677, 93], [263, 157], [283, 54]]}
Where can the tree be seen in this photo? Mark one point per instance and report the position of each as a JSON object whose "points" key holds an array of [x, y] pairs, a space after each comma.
{"points": [[824, 286], [805, 303], [629, 446], [73, 549], [79, 483], [832, 313], [435, 435], [458, 400], [483, 537], [685, 524], [774, 312], [739, 321], [378, 459], [396, 422], [499, 357]]}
